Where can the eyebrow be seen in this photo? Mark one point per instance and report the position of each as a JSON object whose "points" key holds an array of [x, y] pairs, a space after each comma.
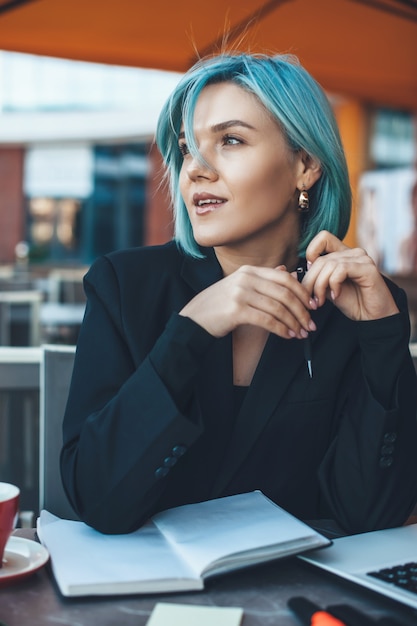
{"points": [[224, 126]]}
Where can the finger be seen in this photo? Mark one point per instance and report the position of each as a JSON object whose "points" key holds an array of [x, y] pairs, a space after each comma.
{"points": [[272, 324], [323, 243], [293, 316], [358, 267], [328, 274], [331, 286], [294, 291], [286, 303], [279, 285], [277, 298], [318, 280]]}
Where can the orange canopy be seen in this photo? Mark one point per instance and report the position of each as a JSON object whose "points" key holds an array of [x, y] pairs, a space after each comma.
{"points": [[361, 48]]}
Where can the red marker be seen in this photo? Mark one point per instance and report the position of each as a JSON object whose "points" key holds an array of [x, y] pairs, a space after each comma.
{"points": [[322, 618], [312, 615]]}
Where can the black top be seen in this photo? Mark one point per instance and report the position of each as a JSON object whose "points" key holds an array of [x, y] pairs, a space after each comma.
{"points": [[239, 393], [150, 416]]}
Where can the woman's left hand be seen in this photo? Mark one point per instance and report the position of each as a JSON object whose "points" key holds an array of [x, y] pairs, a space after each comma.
{"points": [[348, 277]]}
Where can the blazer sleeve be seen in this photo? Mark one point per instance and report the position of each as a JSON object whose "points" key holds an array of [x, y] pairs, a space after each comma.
{"points": [[369, 475], [124, 428]]}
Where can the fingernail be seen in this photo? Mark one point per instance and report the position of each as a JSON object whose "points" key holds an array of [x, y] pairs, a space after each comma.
{"points": [[312, 303], [333, 295], [292, 333], [303, 333], [312, 325], [309, 264]]}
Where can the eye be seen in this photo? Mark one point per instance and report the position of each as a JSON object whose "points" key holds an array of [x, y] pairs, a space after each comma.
{"points": [[183, 148], [231, 140]]}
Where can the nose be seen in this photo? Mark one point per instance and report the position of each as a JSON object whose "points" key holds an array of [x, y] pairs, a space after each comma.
{"points": [[198, 167]]}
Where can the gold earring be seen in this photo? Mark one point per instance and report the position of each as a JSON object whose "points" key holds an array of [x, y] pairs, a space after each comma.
{"points": [[303, 201]]}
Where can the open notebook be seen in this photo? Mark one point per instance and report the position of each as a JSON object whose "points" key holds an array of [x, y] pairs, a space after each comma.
{"points": [[382, 560], [176, 550]]}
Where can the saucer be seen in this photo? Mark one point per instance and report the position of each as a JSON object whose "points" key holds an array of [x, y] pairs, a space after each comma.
{"points": [[21, 558]]}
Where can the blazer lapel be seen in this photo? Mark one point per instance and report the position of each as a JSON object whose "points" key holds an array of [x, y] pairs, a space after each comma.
{"points": [[201, 273]]}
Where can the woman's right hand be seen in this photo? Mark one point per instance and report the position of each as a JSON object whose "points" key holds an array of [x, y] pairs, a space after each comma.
{"points": [[271, 299]]}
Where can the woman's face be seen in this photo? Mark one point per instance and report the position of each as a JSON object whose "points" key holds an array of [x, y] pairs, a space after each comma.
{"points": [[248, 196]]}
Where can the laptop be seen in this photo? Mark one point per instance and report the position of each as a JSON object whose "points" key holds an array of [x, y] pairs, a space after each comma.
{"points": [[383, 560]]}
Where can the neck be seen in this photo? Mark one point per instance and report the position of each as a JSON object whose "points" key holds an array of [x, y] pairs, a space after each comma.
{"points": [[231, 258]]}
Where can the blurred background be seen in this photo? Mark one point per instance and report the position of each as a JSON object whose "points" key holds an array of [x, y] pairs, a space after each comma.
{"points": [[81, 86]]}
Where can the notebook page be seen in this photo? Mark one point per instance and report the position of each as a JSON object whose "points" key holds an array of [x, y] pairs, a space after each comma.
{"points": [[208, 531], [87, 561]]}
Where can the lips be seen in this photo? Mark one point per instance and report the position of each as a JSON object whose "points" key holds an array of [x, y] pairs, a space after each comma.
{"points": [[205, 202]]}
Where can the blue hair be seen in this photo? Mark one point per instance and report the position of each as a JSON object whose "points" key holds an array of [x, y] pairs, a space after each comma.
{"points": [[300, 107]]}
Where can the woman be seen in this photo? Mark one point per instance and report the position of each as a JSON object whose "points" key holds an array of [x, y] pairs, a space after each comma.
{"points": [[190, 380]]}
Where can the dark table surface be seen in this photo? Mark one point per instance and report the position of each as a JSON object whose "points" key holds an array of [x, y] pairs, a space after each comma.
{"points": [[262, 592]]}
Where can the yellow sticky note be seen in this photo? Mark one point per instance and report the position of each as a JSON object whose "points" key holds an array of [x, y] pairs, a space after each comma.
{"points": [[167, 614]]}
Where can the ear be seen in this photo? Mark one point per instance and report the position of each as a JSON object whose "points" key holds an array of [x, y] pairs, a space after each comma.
{"points": [[309, 170]]}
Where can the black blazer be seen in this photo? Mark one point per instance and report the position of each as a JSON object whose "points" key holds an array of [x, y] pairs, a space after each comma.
{"points": [[150, 418]]}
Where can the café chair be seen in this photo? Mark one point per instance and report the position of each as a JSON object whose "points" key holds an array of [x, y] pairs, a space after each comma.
{"points": [[19, 419], [55, 377], [20, 317]]}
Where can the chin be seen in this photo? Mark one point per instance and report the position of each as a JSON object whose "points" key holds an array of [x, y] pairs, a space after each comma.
{"points": [[208, 240]]}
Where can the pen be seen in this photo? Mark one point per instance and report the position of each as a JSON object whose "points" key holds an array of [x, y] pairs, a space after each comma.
{"points": [[307, 342], [310, 614]]}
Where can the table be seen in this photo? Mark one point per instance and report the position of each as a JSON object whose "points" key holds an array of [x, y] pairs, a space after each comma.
{"points": [[261, 591]]}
